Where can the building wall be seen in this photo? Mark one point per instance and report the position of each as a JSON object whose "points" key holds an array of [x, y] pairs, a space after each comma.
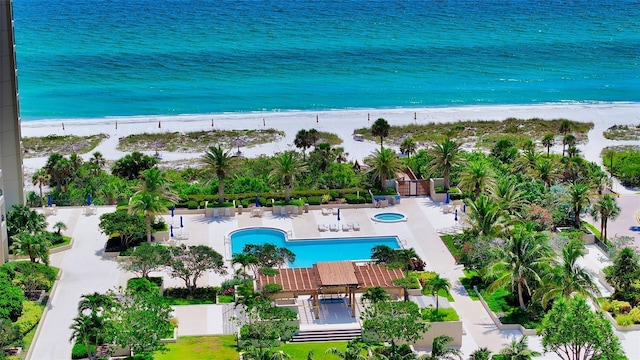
{"points": [[11, 181]]}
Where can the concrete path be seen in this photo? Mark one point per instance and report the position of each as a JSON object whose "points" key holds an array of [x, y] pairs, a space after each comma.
{"points": [[84, 272]]}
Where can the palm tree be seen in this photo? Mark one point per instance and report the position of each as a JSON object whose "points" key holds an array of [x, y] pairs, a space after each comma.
{"points": [[438, 283], [21, 219], [485, 216], [446, 155], [83, 331], [578, 198], [606, 208], [314, 136], [220, 162], [384, 164], [148, 204], [354, 351], [35, 246], [545, 171], [59, 226], [41, 178], [375, 294], [568, 141], [94, 304], [522, 261], [518, 350], [380, 128], [97, 159], [244, 260], [477, 176], [482, 353], [572, 151], [303, 141], [565, 127], [568, 277], [440, 351], [408, 147], [253, 353], [509, 197], [340, 154], [548, 141], [285, 168]]}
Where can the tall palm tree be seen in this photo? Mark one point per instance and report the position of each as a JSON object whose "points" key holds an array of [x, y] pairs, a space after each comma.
{"points": [[509, 197], [384, 164], [35, 246], [548, 141], [518, 350], [98, 159], [303, 141], [375, 294], [149, 204], [606, 208], [155, 182], [340, 154], [568, 141], [356, 350], [438, 283], [485, 216], [244, 260], [440, 350], [380, 128], [285, 169], [482, 353], [544, 168], [568, 277], [572, 151], [523, 259], [565, 127], [220, 162], [477, 176], [446, 155], [408, 147], [83, 332], [41, 178], [578, 198]]}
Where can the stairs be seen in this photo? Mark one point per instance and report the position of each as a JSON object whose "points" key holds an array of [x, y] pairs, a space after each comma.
{"points": [[326, 335]]}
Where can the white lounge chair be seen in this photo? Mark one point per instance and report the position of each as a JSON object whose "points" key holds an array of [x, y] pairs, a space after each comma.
{"points": [[322, 227], [355, 226], [326, 211], [347, 227], [333, 227]]}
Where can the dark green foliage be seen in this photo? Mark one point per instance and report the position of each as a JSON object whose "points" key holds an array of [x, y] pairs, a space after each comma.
{"points": [[201, 293], [191, 205], [131, 165], [624, 274], [29, 275], [11, 298], [314, 200], [269, 255], [79, 351], [626, 165], [271, 288], [142, 284], [22, 219]]}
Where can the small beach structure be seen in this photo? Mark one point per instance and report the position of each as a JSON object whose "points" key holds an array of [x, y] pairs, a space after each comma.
{"points": [[332, 281]]}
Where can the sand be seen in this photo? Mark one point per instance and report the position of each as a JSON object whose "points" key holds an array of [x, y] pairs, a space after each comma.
{"points": [[341, 122]]}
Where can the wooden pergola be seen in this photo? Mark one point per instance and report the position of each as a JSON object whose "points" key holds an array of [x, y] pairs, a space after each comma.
{"points": [[328, 280]]}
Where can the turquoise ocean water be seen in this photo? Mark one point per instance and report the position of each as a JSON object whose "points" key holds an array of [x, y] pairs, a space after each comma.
{"points": [[98, 58]]}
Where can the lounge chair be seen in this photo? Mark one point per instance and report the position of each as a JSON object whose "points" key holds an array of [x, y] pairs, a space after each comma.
{"points": [[355, 226], [333, 227], [322, 227], [326, 211], [347, 227]]}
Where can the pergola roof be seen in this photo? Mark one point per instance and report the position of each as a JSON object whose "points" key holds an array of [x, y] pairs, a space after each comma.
{"points": [[327, 274]]}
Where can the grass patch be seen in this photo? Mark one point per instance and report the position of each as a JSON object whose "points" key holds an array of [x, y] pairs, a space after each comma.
{"points": [[448, 242], [622, 132], [221, 347], [66, 241], [301, 350], [64, 144], [471, 278], [330, 138], [592, 228], [443, 314], [482, 132], [225, 299], [198, 141], [175, 301]]}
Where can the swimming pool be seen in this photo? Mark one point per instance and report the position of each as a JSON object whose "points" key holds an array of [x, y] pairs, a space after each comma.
{"points": [[310, 251], [389, 217]]}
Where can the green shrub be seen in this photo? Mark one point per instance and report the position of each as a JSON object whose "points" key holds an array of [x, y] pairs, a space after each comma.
{"points": [[271, 288], [314, 200], [31, 315], [191, 205], [215, 204], [79, 351], [635, 315], [621, 307], [624, 320], [607, 306], [231, 283], [268, 271], [142, 285], [11, 299], [444, 314], [201, 293]]}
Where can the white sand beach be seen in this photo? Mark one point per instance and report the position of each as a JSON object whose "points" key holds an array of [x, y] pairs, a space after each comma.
{"points": [[340, 122]]}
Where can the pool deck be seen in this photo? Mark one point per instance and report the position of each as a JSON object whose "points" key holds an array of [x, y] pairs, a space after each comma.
{"points": [[85, 271]]}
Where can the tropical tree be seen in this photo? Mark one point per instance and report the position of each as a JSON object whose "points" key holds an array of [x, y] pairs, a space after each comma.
{"points": [[97, 159], [408, 147], [438, 283], [445, 155], [303, 141], [518, 350], [476, 177], [509, 196], [548, 141], [482, 353], [624, 272], [152, 197], [145, 259], [578, 198], [286, 167], [568, 141], [254, 353], [384, 164], [572, 151], [440, 350], [21, 219], [375, 294], [485, 216], [268, 256], [356, 350], [314, 136], [90, 326], [340, 154], [244, 260], [59, 226], [522, 261], [544, 168], [567, 277], [41, 178], [380, 128], [393, 321], [190, 263], [132, 165], [565, 126], [222, 163], [83, 331], [606, 208], [573, 331], [35, 246]]}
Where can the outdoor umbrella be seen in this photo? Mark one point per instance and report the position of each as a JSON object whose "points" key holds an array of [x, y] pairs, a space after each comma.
{"points": [[257, 201], [171, 227], [173, 207], [49, 200], [181, 225], [448, 199], [237, 142], [456, 215], [89, 199], [338, 214]]}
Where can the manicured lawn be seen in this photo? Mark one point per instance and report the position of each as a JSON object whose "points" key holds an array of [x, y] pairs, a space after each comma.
{"points": [[202, 348], [468, 282], [67, 241], [175, 301], [300, 350], [448, 241], [446, 314]]}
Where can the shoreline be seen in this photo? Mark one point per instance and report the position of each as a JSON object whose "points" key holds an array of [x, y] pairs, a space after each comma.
{"points": [[340, 122]]}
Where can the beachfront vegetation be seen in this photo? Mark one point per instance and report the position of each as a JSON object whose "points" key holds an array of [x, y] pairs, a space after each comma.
{"points": [[380, 129], [622, 132], [623, 162], [198, 141], [44, 146]]}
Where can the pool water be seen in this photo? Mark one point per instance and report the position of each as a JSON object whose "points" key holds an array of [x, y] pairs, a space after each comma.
{"points": [[310, 251], [389, 217]]}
